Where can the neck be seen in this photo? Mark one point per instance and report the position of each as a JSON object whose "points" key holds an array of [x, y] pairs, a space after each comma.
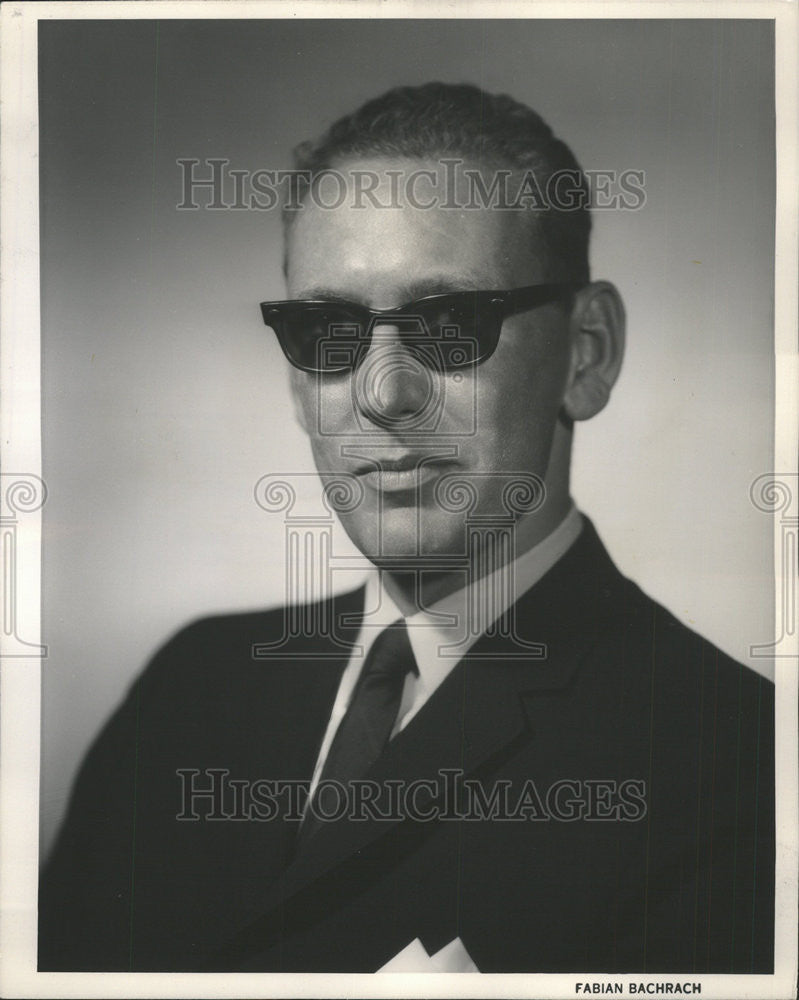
{"points": [[414, 590]]}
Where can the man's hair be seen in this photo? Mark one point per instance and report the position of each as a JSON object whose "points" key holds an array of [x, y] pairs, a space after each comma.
{"points": [[438, 120]]}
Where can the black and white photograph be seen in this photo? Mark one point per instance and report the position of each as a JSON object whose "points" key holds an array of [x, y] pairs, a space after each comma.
{"points": [[400, 500]]}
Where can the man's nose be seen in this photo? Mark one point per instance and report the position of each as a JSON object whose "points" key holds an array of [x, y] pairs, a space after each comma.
{"points": [[392, 387]]}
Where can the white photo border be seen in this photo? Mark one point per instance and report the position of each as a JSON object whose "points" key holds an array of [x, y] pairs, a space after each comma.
{"points": [[21, 443]]}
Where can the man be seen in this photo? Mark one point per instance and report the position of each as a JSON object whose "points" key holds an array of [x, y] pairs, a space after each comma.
{"points": [[506, 757]]}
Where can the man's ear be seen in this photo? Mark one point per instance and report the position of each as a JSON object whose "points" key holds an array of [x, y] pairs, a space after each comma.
{"points": [[596, 329]]}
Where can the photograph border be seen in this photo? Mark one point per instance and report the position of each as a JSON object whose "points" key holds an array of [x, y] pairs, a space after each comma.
{"points": [[20, 421]]}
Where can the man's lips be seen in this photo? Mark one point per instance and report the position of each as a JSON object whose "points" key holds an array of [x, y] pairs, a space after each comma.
{"points": [[400, 473]]}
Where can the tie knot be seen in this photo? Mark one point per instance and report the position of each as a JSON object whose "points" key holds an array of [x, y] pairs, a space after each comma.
{"points": [[391, 653]]}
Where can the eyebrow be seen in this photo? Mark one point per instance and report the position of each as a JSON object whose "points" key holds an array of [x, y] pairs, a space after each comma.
{"points": [[438, 285]]}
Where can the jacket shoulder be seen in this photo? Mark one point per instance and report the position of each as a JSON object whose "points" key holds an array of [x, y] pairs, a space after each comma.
{"points": [[672, 643], [266, 638], [670, 679]]}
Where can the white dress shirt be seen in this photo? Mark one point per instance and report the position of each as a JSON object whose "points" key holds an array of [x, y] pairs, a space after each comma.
{"points": [[439, 643]]}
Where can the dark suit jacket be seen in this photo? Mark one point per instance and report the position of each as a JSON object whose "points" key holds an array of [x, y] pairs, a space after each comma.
{"points": [[625, 693]]}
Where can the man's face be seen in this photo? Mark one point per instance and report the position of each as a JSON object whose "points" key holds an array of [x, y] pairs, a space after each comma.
{"points": [[401, 427]]}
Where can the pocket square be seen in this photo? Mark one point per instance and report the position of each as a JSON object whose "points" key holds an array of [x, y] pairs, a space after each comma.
{"points": [[453, 957]]}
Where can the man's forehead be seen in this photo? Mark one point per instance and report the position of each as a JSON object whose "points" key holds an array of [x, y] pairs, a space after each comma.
{"points": [[426, 247]]}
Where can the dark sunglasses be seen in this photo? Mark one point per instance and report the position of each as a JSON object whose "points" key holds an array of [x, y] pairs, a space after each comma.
{"points": [[448, 331]]}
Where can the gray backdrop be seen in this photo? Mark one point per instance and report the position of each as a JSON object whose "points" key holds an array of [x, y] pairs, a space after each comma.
{"points": [[165, 398]]}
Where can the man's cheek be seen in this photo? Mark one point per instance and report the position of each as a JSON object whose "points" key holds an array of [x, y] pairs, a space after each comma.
{"points": [[301, 397]]}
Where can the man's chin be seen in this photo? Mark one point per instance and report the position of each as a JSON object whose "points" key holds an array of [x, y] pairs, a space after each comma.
{"points": [[406, 537]]}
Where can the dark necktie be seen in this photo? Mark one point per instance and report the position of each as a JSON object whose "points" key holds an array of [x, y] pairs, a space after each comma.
{"points": [[367, 724]]}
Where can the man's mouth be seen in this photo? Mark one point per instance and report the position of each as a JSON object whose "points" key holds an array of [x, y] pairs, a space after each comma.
{"points": [[401, 473]]}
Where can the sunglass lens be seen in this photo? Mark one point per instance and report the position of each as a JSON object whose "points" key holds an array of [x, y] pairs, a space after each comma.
{"points": [[323, 339], [462, 329]]}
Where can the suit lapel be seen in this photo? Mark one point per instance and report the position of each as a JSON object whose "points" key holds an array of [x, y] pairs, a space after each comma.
{"points": [[484, 705]]}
